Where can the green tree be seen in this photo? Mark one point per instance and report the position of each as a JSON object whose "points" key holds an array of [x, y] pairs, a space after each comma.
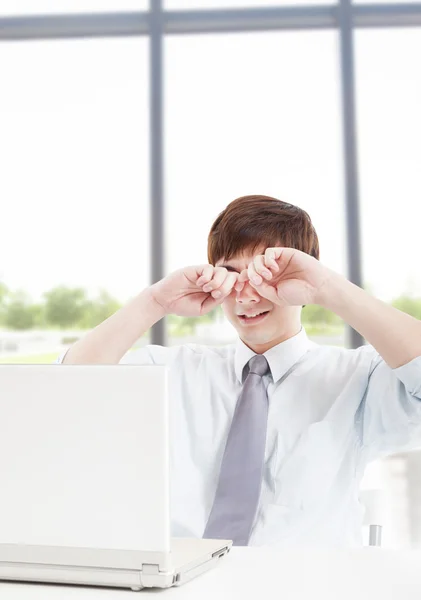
{"points": [[97, 310], [409, 305], [4, 292], [20, 313], [183, 325], [39, 316], [64, 306], [314, 314]]}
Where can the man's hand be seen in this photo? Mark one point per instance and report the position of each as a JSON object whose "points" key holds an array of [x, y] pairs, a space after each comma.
{"points": [[285, 276], [194, 291]]}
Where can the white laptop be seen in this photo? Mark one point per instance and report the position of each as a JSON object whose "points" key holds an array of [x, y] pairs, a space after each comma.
{"points": [[84, 467]]}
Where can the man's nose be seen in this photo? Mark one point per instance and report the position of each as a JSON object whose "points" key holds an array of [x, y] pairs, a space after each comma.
{"points": [[247, 294]]}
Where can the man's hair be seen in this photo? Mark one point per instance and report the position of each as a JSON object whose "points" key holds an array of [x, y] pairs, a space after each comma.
{"points": [[253, 221]]}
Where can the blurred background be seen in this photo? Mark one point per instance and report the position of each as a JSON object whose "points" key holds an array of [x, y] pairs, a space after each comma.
{"points": [[126, 126]]}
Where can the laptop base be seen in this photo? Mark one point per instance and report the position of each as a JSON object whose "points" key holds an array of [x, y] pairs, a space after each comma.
{"points": [[189, 558]]}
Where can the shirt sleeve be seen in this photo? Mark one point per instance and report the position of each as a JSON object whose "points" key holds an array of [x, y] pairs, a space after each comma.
{"points": [[390, 412], [148, 355], [61, 357]]}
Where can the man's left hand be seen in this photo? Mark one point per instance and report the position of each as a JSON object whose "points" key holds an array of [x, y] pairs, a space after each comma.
{"points": [[286, 276]]}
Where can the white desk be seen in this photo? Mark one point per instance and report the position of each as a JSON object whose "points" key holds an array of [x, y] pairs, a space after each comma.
{"points": [[266, 574]]}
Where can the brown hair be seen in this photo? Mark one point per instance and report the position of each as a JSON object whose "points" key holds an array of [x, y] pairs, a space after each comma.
{"points": [[252, 221]]}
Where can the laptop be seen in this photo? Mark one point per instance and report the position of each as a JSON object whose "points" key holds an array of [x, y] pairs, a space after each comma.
{"points": [[85, 479]]}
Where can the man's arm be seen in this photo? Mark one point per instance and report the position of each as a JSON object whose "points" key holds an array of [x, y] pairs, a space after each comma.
{"points": [[394, 334], [289, 277], [110, 340], [389, 418], [178, 294]]}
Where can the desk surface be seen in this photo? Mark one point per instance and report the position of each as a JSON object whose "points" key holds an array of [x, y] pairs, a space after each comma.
{"points": [[266, 574]]}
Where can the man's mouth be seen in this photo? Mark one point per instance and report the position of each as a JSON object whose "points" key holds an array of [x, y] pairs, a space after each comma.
{"points": [[252, 318]]}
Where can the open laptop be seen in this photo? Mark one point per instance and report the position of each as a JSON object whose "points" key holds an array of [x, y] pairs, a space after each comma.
{"points": [[84, 467]]}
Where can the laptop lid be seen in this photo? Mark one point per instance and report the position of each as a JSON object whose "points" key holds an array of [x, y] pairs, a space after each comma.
{"points": [[84, 458]]}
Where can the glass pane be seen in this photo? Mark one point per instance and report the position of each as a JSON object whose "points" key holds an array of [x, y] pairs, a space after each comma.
{"points": [[31, 7], [74, 188], [249, 114], [388, 82], [389, 97], [199, 4]]}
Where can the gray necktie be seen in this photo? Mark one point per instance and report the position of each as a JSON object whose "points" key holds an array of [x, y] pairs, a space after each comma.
{"points": [[240, 480]]}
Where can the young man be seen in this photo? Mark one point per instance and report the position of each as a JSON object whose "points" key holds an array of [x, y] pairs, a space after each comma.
{"points": [[271, 435]]}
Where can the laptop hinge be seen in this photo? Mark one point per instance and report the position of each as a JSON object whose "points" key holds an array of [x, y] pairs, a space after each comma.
{"points": [[149, 569], [151, 576]]}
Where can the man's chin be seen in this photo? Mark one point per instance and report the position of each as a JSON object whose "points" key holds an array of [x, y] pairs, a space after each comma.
{"points": [[254, 336]]}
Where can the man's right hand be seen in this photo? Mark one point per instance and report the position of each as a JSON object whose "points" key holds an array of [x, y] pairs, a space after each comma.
{"points": [[194, 291]]}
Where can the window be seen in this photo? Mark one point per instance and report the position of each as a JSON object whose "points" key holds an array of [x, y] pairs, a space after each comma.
{"points": [[75, 181], [246, 114], [389, 132]]}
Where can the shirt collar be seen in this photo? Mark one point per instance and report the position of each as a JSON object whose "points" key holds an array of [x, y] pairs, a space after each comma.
{"points": [[280, 358]]}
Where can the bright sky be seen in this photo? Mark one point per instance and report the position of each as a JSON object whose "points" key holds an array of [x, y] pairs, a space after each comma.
{"points": [[244, 113]]}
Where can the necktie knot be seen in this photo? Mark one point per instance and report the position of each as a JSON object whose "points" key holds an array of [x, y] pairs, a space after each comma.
{"points": [[258, 365]]}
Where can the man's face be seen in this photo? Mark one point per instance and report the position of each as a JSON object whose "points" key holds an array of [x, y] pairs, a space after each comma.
{"points": [[259, 323]]}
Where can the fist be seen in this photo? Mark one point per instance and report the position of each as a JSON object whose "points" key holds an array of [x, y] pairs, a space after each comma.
{"points": [[194, 291], [286, 276]]}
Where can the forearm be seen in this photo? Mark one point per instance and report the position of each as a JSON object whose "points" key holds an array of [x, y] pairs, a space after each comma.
{"points": [[394, 334], [110, 340]]}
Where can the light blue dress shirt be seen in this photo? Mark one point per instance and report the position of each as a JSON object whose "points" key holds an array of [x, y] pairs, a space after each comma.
{"points": [[332, 410]]}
